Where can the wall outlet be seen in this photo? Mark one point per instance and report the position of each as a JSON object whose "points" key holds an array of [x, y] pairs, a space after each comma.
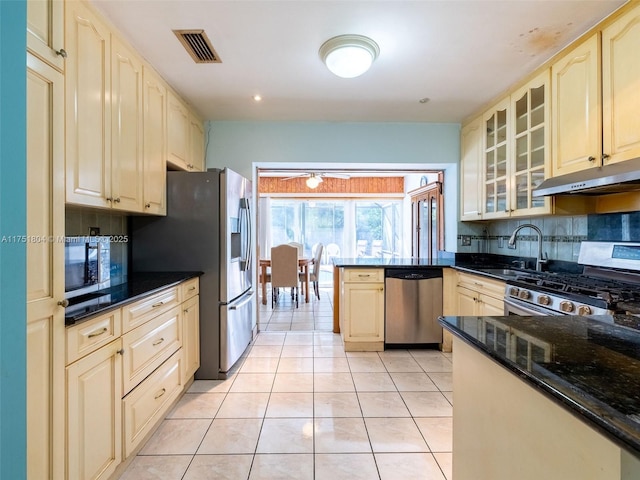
{"points": [[94, 231], [500, 242], [465, 240]]}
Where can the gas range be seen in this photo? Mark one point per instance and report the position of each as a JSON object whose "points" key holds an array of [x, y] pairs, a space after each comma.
{"points": [[610, 279]]}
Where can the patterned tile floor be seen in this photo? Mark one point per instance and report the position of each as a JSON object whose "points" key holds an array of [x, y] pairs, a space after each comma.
{"points": [[299, 407]]}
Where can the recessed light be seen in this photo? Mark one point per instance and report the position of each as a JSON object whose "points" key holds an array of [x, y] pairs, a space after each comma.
{"points": [[257, 98], [424, 100]]}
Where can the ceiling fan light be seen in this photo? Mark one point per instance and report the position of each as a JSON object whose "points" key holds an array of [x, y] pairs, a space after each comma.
{"points": [[313, 181], [349, 56]]}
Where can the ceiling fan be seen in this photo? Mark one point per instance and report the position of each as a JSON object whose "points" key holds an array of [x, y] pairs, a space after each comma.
{"points": [[315, 178]]}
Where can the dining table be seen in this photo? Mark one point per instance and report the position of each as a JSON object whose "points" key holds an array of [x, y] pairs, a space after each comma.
{"points": [[303, 263]]}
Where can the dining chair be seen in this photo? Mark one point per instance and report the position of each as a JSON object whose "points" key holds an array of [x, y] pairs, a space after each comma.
{"points": [[332, 250], [314, 274], [284, 271], [300, 248]]}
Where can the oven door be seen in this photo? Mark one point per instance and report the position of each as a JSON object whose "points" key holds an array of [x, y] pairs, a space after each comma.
{"points": [[513, 306]]}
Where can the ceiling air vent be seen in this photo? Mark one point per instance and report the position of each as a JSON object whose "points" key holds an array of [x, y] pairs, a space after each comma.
{"points": [[198, 45]]}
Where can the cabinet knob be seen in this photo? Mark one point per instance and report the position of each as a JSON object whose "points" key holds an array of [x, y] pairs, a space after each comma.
{"points": [[592, 159], [64, 303], [605, 156], [109, 199], [120, 352], [62, 53], [147, 205], [116, 200]]}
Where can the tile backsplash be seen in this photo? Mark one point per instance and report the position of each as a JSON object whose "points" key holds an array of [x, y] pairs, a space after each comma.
{"points": [[561, 235], [79, 221]]}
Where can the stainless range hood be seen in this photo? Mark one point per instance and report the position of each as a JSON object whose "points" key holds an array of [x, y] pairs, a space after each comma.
{"points": [[615, 178]]}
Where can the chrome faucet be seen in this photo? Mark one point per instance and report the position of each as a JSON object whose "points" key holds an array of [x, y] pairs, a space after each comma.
{"points": [[512, 242]]}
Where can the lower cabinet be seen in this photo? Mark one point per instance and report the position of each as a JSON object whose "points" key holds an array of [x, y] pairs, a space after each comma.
{"points": [[478, 295], [119, 386], [94, 413], [362, 309]]}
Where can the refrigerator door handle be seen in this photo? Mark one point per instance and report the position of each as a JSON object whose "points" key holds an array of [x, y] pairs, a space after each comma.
{"points": [[246, 208], [236, 306]]}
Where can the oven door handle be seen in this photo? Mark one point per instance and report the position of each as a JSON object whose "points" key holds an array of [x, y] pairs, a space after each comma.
{"points": [[515, 307]]}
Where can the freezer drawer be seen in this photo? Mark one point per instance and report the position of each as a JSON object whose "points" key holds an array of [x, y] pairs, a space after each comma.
{"points": [[412, 308], [235, 329]]}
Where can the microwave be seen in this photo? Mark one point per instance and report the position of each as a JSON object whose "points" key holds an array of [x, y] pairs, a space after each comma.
{"points": [[87, 265]]}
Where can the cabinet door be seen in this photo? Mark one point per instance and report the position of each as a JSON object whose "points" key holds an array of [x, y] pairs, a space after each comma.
{"points": [[621, 95], [196, 132], [364, 312], [45, 270], [88, 112], [45, 30], [126, 128], [490, 306], [155, 143], [531, 161], [470, 171], [191, 336], [575, 109], [94, 412], [496, 155], [178, 140], [466, 302]]}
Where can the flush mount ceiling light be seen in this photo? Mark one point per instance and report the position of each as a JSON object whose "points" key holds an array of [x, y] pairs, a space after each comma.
{"points": [[313, 181], [349, 56]]}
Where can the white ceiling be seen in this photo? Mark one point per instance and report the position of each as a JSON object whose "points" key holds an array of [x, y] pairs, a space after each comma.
{"points": [[459, 54]]}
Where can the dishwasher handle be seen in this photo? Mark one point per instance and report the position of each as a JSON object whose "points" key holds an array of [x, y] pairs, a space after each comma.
{"points": [[413, 273]]}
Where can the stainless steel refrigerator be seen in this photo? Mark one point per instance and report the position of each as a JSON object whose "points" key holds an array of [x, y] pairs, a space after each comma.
{"points": [[207, 228]]}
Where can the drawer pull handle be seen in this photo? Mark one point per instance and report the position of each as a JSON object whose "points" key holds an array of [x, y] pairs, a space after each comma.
{"points": [[363, 275], [158, 342], [160, 393], [159, 304], [97, 333], [192, 289]]}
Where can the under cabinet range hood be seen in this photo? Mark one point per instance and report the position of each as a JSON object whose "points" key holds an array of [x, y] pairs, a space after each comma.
{"points": [[614, 178]]}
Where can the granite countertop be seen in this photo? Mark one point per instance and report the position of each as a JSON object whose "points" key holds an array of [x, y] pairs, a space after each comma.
{"points": [[590, 366], [139, 285]]}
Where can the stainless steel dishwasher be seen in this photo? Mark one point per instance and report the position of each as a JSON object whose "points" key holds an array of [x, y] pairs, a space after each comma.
{"points": [[412, 305]]}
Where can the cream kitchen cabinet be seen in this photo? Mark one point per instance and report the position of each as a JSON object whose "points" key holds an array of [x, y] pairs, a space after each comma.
{"points": [[620, 80], [154, 96], [576, 113], [88, 107], [45, 270], [178, 133], [45, 31], [470, 170], [196, 137], [191, 327], [496, 149], [478, 295], [94, 413], [362, 304]]}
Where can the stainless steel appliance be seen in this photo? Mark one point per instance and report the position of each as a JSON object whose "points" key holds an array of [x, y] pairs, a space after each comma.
{"points": [[208, 229], [610, 279], [413, 303]]}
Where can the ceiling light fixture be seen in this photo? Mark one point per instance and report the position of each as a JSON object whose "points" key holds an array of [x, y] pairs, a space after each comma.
{"points": [[349, 56], [313, 181]]}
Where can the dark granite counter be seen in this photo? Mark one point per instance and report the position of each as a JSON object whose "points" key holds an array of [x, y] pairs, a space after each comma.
{"points": [[590, 366], [138, 286]]}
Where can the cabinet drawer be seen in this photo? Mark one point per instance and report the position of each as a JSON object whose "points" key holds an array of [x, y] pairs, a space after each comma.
{"points": [[150, 400], [88, 336], [484, 285], [144, 310], [364, 275], [147, 346], [190, 288]]}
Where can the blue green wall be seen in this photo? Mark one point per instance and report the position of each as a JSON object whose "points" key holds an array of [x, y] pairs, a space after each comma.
{"points": [[12, 254]]}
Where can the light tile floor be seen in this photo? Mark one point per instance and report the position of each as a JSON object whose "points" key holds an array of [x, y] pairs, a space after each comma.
{"points": [[299, 407]]}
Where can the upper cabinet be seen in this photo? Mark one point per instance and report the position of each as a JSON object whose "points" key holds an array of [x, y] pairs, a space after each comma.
{"points": [[45, 31], [621, 88], [185, 137], [576, 113], [88, 112], [470, 168], [496, 131], [531, 159]]}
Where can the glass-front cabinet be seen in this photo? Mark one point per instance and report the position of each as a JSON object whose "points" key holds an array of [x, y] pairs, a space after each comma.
{"points": [[496, 155], [516, 152], [531, 159]]}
